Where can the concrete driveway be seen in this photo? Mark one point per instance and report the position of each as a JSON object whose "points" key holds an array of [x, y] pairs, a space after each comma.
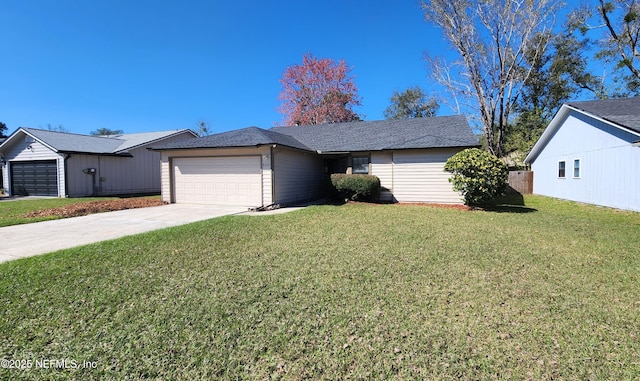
{"points": [[44, 237]]}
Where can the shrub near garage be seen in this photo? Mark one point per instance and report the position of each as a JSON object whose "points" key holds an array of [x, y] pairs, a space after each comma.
{"points": [[478, 175], [356, 187]]}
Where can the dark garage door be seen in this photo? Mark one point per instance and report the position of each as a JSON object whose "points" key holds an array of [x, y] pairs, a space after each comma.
{"points": [[34, 178]]}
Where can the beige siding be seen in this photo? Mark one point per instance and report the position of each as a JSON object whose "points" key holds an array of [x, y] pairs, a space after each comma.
{"points": [[297, 175], [165, 177], [267, 179], [382, 167], [168, 175], [418, 176]]}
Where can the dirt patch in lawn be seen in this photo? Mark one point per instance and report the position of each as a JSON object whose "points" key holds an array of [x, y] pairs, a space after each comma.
{"points": [[85, 208]]}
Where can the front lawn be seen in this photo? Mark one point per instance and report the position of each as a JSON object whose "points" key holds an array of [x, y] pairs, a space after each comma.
{"points": [[359, 291], [15, 212]]}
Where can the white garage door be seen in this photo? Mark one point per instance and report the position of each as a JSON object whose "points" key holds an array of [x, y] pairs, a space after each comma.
{"points": [[218, 181], [419, 177]]}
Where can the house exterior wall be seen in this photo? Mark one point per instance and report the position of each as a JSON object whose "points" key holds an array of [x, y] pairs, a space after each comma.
{"points": [[117, 174], [114, 174], [31, 151], [609, 164], [408, 175], [297, 175], [382, 167], [166, 167], [419, 176]]}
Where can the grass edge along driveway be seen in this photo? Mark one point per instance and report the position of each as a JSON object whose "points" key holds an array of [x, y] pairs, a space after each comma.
{"points": [[333, 292]]}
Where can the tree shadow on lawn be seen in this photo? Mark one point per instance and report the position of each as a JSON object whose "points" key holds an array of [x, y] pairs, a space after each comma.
{"points": [[512, 202]]}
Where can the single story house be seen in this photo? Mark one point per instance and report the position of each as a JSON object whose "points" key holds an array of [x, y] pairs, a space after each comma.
{"points": [[59, 164], [589, 153], [256, 167]]}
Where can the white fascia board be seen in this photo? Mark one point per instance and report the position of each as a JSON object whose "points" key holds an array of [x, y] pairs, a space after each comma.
{"points": [[557, 121], [35, 138], [548, 133]]}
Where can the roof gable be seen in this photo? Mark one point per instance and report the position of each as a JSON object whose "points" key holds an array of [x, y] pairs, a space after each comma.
{"points": [[245, 137], [106, 145], [435, 132], [623, 114]]}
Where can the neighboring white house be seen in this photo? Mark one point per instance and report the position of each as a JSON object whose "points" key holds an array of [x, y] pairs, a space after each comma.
{"points": [[58, 164], [589, 153], [255, 167]]}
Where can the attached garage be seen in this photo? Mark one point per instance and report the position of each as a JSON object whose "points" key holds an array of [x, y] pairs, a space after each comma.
{"points": [[34, 178], [286, 165], [233, 180]]}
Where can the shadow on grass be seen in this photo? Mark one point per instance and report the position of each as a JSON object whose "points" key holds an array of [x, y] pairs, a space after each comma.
{"points": [[511, 203]]}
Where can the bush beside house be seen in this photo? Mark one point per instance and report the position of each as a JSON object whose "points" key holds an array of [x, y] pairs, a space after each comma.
{"points": [[356, 187], [478, 175]]}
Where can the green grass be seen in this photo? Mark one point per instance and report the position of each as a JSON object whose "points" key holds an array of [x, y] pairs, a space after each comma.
{"points": [[13, 212], [340, 292]]}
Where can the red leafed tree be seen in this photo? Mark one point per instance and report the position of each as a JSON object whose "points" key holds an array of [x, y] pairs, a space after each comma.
{"points": [[318, 91]]}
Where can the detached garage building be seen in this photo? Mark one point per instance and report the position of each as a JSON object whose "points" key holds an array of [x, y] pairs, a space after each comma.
{"points": [[47, 163], [255, 167]]}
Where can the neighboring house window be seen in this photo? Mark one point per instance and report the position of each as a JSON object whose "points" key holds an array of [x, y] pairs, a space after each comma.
{"points": [[360, 165], [576, 168], [561, 169]]}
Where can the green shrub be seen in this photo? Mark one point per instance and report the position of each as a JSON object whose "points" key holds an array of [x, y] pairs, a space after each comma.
{"points": [[356, 187], [478, 175]]}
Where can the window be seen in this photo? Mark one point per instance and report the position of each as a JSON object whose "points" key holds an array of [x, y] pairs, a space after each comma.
{"points": [[561, 169], [360, 165], [576, 168]]}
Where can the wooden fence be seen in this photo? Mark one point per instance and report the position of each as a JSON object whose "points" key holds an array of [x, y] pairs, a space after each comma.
{"points": [[521, 182]]}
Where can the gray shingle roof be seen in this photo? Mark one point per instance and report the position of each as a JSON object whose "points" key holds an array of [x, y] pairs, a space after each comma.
{"points": [[113, 145], [245, 137], [436, 132], [66, 142], [622, 111]]}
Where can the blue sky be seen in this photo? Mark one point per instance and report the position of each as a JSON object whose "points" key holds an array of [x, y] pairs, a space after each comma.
{"points": [[148, 65], [151, 65]]}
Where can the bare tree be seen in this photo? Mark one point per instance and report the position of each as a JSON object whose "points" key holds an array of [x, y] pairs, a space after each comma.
{"points": [[494, 40], [203, 129], [58, 128]]}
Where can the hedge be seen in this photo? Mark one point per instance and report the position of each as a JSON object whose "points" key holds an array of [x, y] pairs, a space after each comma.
{"points": [[356, 187]]}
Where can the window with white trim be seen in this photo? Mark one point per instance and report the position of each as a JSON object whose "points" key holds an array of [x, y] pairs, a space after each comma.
{"points": [[576, 168], [561, 169]]}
